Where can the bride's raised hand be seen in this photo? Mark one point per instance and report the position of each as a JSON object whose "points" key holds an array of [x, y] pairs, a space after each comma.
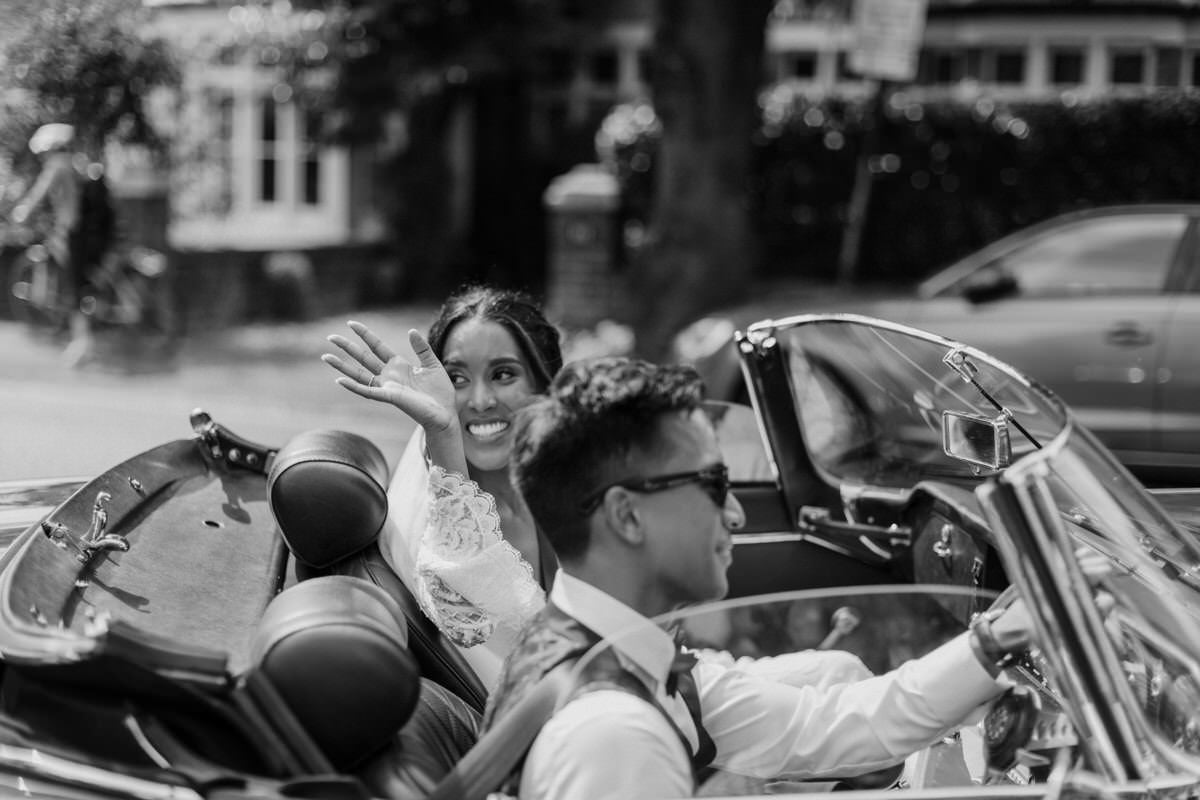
{"points": [[373, 370]]}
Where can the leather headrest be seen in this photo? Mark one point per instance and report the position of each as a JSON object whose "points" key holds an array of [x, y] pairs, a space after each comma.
{"points": [[335, 650], [327, 490]]}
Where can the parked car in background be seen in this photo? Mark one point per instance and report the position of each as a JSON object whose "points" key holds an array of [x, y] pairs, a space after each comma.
{"points": [[1101, 305]]}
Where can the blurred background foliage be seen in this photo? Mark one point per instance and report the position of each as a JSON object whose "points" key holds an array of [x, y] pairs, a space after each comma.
{"points": [[953, 171], [86, 64], [400, 70]]}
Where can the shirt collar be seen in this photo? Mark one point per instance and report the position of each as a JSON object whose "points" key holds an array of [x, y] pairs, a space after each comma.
{"points": [[634, 636]]}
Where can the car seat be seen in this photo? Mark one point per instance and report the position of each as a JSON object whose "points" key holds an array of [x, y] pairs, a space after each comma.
{"points": [[327, 492], [332, 677], [330, 668]]}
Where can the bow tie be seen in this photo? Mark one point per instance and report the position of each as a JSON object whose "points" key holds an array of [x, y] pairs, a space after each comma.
{"points": [[680, 665], [680, 683]]}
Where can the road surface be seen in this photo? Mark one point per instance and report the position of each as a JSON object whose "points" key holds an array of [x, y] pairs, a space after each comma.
{"points": [[264, 382]]}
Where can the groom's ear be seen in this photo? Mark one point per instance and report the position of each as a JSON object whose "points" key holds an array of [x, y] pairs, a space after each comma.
{"points": [[621, 515]]}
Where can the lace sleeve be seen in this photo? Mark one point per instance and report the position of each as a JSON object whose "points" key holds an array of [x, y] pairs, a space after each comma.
{"points": [[469, 580]]}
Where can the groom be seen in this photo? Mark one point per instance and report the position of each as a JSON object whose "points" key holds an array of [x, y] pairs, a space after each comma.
{"points": [[621, 469]]}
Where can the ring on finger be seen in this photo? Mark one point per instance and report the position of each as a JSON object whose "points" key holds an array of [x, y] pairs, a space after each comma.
{"points": [[371, 383]]}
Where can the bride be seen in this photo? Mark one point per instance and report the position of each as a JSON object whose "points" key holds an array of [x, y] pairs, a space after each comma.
{"points": [[459, 532]]}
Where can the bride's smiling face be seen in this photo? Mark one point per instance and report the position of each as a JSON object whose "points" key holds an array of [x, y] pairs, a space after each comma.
{"points": [[492, 381]]}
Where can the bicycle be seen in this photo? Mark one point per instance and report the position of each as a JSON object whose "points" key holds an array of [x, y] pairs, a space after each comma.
{"points": [[127, 290]]}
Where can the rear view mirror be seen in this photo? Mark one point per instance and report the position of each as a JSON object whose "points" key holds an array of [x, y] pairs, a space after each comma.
{"points": [[983, 441]]}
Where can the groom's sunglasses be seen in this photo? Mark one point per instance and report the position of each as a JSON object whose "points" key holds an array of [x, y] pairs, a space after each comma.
{"points": [[713, 480]]}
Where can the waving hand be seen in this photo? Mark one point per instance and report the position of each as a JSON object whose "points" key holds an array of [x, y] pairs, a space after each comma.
{"points": [[373, 370]]}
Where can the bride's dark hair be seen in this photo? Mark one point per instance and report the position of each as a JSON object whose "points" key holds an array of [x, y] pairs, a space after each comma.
{"points": [[517, 312]]}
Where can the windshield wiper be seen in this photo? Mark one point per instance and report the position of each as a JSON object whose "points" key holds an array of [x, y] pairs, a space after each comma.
{"points": [[957, 360]]}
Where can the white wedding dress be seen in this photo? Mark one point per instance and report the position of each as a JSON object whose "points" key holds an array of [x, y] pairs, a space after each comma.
{"points": [[443, 539]]}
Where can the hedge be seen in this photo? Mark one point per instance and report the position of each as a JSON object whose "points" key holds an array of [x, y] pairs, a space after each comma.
{"points": [[950, 172]]}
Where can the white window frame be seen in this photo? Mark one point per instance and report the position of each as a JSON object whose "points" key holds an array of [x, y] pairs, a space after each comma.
{"points": [[286, 221], [1116, 49]]}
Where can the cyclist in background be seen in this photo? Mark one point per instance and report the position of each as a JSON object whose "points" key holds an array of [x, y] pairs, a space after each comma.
{"points": [[80, 231]]}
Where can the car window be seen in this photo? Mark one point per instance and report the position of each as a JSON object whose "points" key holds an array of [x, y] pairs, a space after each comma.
{"points": [[741, 443], [1098, 256], [835, 426]]}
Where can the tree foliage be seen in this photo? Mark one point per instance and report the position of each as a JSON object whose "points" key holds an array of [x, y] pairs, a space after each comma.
{"points": [[90, 65], [400, 73], [399, 54]]}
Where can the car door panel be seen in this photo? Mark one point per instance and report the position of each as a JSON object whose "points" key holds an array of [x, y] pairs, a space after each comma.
{"points": [[1177, 381], [765, 563]]}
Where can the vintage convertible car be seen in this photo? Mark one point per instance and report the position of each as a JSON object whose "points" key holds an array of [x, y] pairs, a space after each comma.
{"points": [[212, 619]]}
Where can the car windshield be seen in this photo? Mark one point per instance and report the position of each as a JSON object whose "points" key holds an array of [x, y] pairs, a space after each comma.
{"points": [[870, 398]]}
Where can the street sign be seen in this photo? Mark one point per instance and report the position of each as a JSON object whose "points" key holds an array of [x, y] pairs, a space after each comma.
{"points": [[888, 38]]}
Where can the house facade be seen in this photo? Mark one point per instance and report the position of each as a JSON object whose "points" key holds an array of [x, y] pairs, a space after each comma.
{"points": [[1012, 48], [1008, 47], [264, 219]]}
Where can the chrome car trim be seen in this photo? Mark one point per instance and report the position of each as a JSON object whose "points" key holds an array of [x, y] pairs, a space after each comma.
{"points": [[30, 762], [1114, 723], [25, 502], [96, 539], [135, 730], [763, 436], [1014, 505], [768, 538]]}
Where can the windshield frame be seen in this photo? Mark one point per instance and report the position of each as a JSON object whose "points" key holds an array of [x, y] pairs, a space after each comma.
{"points": [[1041, 553]]}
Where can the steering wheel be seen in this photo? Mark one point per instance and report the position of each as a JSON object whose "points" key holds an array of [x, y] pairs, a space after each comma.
{"points": [[1000, 741], [1017, 728], [1008, 726]]}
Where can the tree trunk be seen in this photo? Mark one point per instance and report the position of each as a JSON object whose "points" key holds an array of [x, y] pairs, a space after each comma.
{"points": [[419, 209], [700, 253]]}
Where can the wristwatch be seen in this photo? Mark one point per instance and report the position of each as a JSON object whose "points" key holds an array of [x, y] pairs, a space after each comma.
{"points": [[994, 656]]}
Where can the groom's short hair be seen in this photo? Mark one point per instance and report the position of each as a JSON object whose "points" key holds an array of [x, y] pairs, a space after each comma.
{"points": [[598, 420]]}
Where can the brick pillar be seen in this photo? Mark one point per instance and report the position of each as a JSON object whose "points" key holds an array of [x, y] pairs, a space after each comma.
{"points": [[584, 286], [139, 190]]}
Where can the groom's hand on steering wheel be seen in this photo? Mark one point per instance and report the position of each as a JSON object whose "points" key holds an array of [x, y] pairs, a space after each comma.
{"points": [[1002, 633]]}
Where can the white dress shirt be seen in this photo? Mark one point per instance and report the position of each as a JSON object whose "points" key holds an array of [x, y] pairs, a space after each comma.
{"points": [[611, 744]]}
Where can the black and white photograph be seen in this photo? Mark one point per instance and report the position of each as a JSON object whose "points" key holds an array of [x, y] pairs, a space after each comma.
{"points": [[561, 400]]}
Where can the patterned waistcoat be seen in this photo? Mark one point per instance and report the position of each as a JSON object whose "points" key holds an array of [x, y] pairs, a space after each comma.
{"points": [[554, 637]]}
